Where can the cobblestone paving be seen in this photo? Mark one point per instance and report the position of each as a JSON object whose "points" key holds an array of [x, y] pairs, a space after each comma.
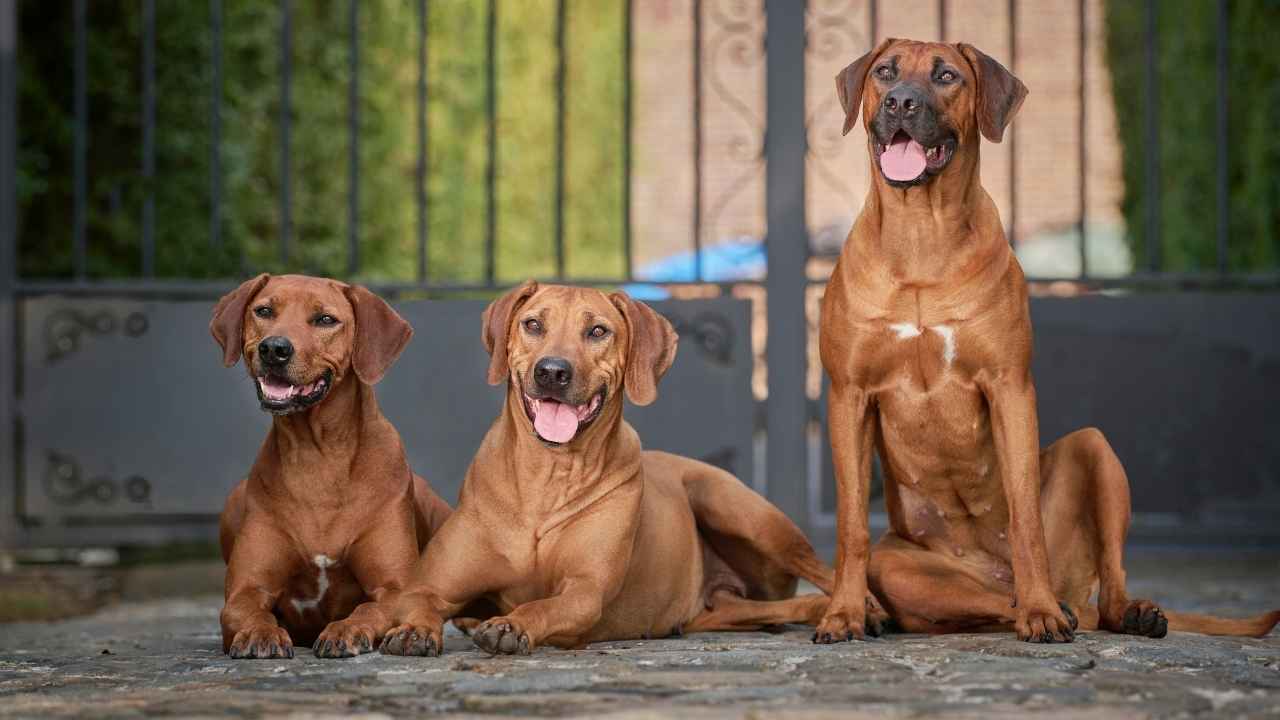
{"points": [[162, 658]]}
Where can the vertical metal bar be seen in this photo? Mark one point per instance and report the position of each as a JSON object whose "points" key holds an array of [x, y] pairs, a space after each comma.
{"points": [[873, 23], [1083, 185], [1153, 141], [148, 137], [627, 81], [786, 246], [560, 128], [80, 219], [353, 142], [942, 20], [286, 107], [697, 139], [1011, 135], [9, 359], [1224, 159], [215, 126], [491, 169], [420, 176]]}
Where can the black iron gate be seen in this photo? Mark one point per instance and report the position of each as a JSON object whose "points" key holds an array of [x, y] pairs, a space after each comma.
{"points": [[98, 451]]}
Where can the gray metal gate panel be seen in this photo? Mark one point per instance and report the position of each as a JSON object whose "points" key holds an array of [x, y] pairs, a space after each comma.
{"points": [[1186, 387], [132, 432]]}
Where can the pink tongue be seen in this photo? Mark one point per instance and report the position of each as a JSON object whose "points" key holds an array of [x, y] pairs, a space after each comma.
{"points": [[274, 389], [903, 160], [556, 421]]}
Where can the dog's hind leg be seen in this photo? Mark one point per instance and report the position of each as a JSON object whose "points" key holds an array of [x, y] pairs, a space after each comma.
{"points": [[755, 538], [930, 592], [1085, 503], [727, 611]]}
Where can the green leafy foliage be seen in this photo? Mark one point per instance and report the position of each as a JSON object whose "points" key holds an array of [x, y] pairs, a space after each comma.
{"points": [[250, 153], [1187, 110]]}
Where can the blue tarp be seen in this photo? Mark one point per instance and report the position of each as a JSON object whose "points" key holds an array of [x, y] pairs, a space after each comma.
{"points": [[738, 259]]}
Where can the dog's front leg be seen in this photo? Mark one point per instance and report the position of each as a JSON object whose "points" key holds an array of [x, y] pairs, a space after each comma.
{"points": [[564, 618], [586, 560], [850, 423], [257, 571], [1011, 396], [382, 562], [456, 568]]}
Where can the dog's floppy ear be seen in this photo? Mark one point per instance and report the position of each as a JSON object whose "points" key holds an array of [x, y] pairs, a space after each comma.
{"points": [[495, 326], [652, 348], [381, 334], [1000, 94], [850, 80], [227, 324]]}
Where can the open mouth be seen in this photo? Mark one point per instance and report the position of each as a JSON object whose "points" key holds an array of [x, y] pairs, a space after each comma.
{"points": [[279, 397], [555, 422], [904, 161]]}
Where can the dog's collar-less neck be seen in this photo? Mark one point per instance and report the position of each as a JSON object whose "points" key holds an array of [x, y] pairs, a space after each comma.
{"points": [[558, 481], [326, 428], [925, 231]]}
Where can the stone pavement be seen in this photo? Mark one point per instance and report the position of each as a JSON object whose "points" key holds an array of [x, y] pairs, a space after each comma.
{"points": [[162, 657]]}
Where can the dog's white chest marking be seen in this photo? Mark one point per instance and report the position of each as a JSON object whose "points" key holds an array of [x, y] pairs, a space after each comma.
{"points": [[323, 562], [906, 331], [948, 335]]}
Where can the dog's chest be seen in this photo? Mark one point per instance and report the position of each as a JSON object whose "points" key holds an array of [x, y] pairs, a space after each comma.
{"points": [[906, 354], [317, 578]]}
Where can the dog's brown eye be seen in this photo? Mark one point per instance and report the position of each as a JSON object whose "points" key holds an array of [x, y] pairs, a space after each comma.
{"points": [[598, 332], [326, 320], [263, 312], [884, 72], [533, 326], [947, 76]]}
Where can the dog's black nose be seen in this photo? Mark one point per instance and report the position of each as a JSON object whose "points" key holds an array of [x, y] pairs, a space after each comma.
{"points": [[904, 100], [275, 350], [552, 373]]}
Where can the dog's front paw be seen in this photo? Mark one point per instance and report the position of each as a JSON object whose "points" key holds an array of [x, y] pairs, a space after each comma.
{"points": [[413, 640], [261, 643], [842, 625], [344, 639], [1045, 622], [502, 635]]}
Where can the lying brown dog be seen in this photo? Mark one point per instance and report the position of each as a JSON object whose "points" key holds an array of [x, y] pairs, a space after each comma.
{"points": [[573, 532], [926, 336], [330, 520]]}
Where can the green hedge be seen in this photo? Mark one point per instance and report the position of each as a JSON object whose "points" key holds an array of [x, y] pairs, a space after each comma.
{"points": [[1187, 71], [250, 151]]}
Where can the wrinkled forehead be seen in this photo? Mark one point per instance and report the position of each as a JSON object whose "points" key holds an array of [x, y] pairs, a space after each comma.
{"points": [[300, 290], [912, 58], [563, 303]]}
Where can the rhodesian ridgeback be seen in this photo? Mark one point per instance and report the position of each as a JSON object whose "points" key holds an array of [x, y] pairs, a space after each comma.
{"points": [[573, 532], [926, 337], [330, 520]]}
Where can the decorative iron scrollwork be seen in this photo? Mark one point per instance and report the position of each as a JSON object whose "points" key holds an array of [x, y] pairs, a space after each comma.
{"points": [[737, 40], [710, 332], [64, 329], [64, 485], [830, 33]]}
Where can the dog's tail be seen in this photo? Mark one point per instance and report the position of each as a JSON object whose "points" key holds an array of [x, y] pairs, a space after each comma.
{"points": [[1257, 626]]}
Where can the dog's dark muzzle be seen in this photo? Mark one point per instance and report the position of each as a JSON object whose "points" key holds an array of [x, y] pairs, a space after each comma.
{"points": [[906, 107]]}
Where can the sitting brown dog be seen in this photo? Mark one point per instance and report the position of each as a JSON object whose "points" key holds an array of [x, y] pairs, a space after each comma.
{"points": [[573, 532], [330, 520], [926, 335]]}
